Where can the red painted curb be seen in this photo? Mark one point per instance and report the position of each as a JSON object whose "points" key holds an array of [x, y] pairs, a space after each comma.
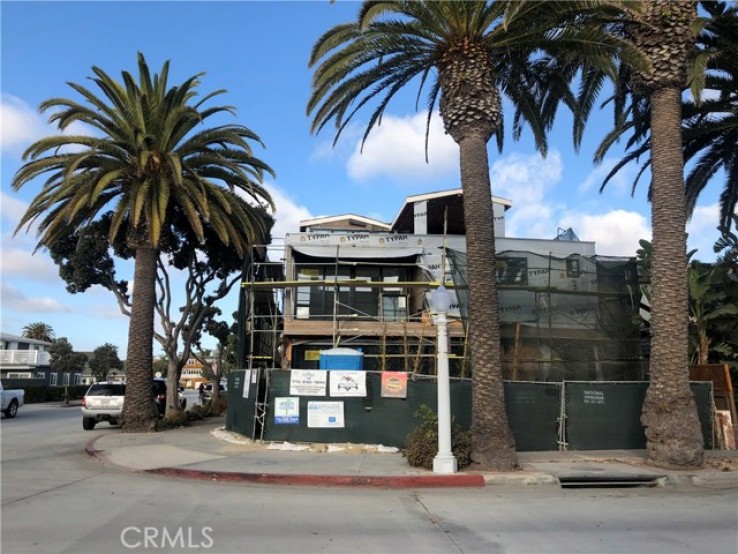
{"points": [[302, 480], [90, 449]]}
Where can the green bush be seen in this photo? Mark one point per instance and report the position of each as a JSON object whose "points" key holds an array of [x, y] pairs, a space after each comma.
{"points": [[40, 393], [422, 442], [179, 419], [218, 407]]}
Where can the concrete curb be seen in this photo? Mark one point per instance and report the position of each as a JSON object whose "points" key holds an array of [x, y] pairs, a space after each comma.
{"points": [[713, 479], [99, 455], [527, 479], [312, 480]]}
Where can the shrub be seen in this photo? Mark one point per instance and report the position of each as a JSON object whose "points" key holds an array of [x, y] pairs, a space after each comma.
{"points": [[178, 419], [41, 393], [422, 442], [218, 407]]}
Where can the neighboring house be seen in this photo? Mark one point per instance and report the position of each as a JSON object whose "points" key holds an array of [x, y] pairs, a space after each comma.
{"points": [[351, 281], [27, 361], [88, 378], [192, 376]]}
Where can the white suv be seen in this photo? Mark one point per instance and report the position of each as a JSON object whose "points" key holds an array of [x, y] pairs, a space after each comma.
{"points": [[103, 402]]}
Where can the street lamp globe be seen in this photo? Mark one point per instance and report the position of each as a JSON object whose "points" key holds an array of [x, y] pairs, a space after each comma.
{"points": [[440, 299]]}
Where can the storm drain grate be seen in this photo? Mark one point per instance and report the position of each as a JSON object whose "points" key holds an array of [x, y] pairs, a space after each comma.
{"points": [[608, 481]]}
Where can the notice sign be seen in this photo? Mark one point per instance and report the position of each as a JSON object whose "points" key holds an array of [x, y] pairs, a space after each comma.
{"points": [[325, 414], [287, 410], [394, 384], [348, 383], [308, 382], [594, 397], [247, 382]]}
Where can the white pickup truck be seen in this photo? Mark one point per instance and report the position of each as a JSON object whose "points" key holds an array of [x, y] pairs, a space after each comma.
{"points": [[11, 400]]}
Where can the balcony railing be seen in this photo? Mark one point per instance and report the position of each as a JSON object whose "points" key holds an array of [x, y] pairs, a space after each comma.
{"points": [[25, 357]]}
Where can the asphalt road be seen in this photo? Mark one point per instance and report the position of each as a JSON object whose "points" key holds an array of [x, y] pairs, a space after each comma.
{"points": [[54, 499]]}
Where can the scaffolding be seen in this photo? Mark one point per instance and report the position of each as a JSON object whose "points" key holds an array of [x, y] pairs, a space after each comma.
{"points": [[573, 317]]}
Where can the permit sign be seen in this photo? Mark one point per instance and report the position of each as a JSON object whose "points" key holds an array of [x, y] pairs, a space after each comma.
{"points": [[325, 415], [287, 410]]}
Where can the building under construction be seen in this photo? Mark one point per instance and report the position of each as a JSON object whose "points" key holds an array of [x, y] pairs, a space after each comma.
{"points": [[354, 282]]}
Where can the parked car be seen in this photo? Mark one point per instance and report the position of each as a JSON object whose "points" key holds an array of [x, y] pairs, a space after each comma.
{"points": [[160, 396], [208, 392], [103, 402], [11, 400]]}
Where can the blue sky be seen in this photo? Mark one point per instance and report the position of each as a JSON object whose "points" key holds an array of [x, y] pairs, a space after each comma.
{"points": [[258, 51]]}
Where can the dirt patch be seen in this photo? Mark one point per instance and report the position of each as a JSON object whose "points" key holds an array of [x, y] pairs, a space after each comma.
{"points": [[722, 464]]}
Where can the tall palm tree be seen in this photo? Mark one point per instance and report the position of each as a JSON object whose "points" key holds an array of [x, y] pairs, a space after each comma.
{"points": [[148, 158], [665, 33], [39, 331], [709, 119], [472, 53]]}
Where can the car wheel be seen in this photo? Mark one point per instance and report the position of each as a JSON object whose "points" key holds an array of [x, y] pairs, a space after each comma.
{"points": [[12, 409], [88, 423]]}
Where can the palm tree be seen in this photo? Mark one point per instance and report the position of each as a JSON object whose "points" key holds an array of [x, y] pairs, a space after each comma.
{"points": [[664, 32], [709, 123], [472, 53], [39, 331], [147, 162]]}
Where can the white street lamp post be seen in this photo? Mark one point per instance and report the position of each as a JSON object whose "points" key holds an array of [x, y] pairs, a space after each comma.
{"points": [[444, 462]]}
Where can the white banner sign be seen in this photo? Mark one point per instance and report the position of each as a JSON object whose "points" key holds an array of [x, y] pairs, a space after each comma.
{"points": [[348, 383], [325, 414], [308, 382], [247, 382]]}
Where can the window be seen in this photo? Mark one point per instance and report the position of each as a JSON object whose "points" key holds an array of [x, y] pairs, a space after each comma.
{"points": [[394, 307], [66, 378], [17, 375], [512, 271], [53, 380], [77, 378], [572, 268], [40, 375], [360, 302]]}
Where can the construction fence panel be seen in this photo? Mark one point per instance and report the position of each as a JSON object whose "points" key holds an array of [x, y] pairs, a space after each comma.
{"points": [[242, 394], [607, 415], [533, 411], [371, 419], [598, 415]]}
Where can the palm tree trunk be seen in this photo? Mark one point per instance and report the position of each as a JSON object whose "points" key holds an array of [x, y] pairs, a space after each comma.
{"points": [[139, 411], [672, 427], [493, 444]]}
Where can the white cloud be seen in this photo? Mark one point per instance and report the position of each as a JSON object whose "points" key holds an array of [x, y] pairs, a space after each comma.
{"points": [[14, 299], [527, 180], [396, 148], [288, 214], [702, 231], [11, 209], [20, 262], [621, 182], [616, 233], [21, 124]]}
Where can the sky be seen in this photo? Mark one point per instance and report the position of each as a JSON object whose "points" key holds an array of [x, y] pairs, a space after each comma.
{"points": [[258, 52]]}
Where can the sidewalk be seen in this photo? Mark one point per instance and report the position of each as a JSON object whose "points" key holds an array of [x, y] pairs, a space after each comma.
{"points": [[207, 451]]}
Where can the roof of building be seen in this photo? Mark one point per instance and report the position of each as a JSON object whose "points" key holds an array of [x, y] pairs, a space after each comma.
{"points": [[344, 222], [15, 338], [444, 212]]}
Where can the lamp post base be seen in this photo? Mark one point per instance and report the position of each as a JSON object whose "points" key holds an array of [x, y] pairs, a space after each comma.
{"points": [[445, 463]]}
